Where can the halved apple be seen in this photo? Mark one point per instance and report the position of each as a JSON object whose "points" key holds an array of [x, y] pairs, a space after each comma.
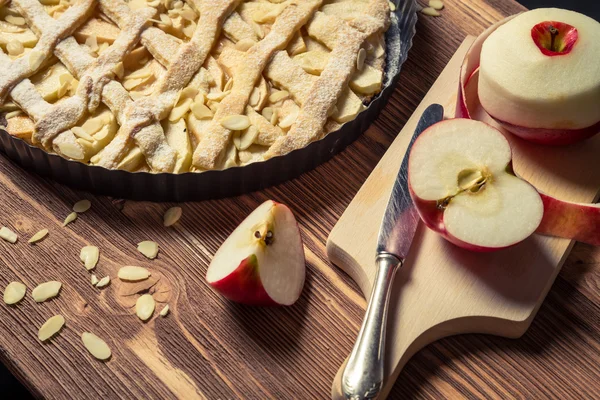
{"points": [[262, 261], [461, 181]]}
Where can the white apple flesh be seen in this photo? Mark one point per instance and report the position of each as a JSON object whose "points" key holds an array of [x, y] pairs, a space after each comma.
{"points": [[461, 182], [262, 261], [539, 75]]}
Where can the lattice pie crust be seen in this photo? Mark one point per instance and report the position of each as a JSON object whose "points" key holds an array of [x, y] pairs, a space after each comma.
{"points": [[174, 86]]}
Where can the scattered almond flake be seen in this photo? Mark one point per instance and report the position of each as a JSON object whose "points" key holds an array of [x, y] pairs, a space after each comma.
{"points": [[172, 216], [164, 311], [94, 280], [13, 114], [92, 42], [14, 48], [103, 282], [245, 44], [46, 290], [432, 12], [180, 110], [82, 205], [14, 20], [148, 248], [70, 218], [278, 96], [200, 111], [8, 235], [188, 14], [38, 236], [392, 5], [51, 327], [228, 85], [132, 273], [89, 256], [244, 139], [235, 122], [96, 346], [144, 306], [254, 97], [436, 4], [14, 292], [360, 59]]}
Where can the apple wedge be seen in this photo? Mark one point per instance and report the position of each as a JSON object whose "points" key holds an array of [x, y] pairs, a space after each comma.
{"points": [[538, 76], [461, 180], [262, 261]]}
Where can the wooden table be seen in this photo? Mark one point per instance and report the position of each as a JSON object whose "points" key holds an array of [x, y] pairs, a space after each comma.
{"points": [[210, 348]]}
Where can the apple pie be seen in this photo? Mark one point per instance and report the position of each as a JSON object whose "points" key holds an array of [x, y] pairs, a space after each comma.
{"points": [[195, 85]]}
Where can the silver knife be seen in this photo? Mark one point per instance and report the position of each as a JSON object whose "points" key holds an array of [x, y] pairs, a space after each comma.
{"points": [[364, 373]]}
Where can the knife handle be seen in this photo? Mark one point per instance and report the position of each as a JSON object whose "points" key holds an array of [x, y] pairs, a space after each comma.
{"points": [[363, 376]]}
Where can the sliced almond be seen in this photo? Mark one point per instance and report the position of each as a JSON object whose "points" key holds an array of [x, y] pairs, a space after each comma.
{"points": [[70, 150], [228, 85], [144, 306], [392, 5], [180, 110], [254, 97], [70, 218], [96, 346], [217, 96], [200, 111], [245, 138], [189, 30], [82, 206], [132, 273], [172, 216], [89, 257], [38, 236], [275, 116], [360, 59], [94, 280], [279, 96], [289, 119], [164, 311], [93, 125], [432, 12], [148, 248], [119, 70], [8, 235], [14, 48], [188, 14], [235, 122], [436, 4], [245, 44], [103, 282], [46, 290], [165, 20], [51, 327], [14, 292], [92, 42], [267, 112], [15, 20], [36, 59]]}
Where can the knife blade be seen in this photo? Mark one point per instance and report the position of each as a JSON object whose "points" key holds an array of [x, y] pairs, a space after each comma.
{"points": [[401, 219], [364, 372]]}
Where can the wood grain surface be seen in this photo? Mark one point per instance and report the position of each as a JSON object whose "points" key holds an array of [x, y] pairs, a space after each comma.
{"points": [[210, 348]]}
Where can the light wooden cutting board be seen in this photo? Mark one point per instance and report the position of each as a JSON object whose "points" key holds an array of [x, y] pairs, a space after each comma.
{"points": [[443, 290]]}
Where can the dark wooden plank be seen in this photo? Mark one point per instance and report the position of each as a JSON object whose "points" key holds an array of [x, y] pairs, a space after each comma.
{"points": [[211, 348]]}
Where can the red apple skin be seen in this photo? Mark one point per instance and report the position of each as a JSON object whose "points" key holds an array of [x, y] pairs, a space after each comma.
{"points": [[243, 285], [551, 137], [567, 36], [580, 222]]}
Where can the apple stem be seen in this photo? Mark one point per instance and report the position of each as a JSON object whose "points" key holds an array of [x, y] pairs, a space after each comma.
{"points": [[553, 34]]}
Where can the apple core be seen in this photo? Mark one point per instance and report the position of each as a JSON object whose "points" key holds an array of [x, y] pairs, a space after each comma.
{"points": [[554, 38]]}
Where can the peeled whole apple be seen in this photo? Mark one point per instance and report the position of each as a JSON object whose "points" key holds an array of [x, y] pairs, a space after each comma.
{"points": [[262, 261], [539, 75], [462, 183]]}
